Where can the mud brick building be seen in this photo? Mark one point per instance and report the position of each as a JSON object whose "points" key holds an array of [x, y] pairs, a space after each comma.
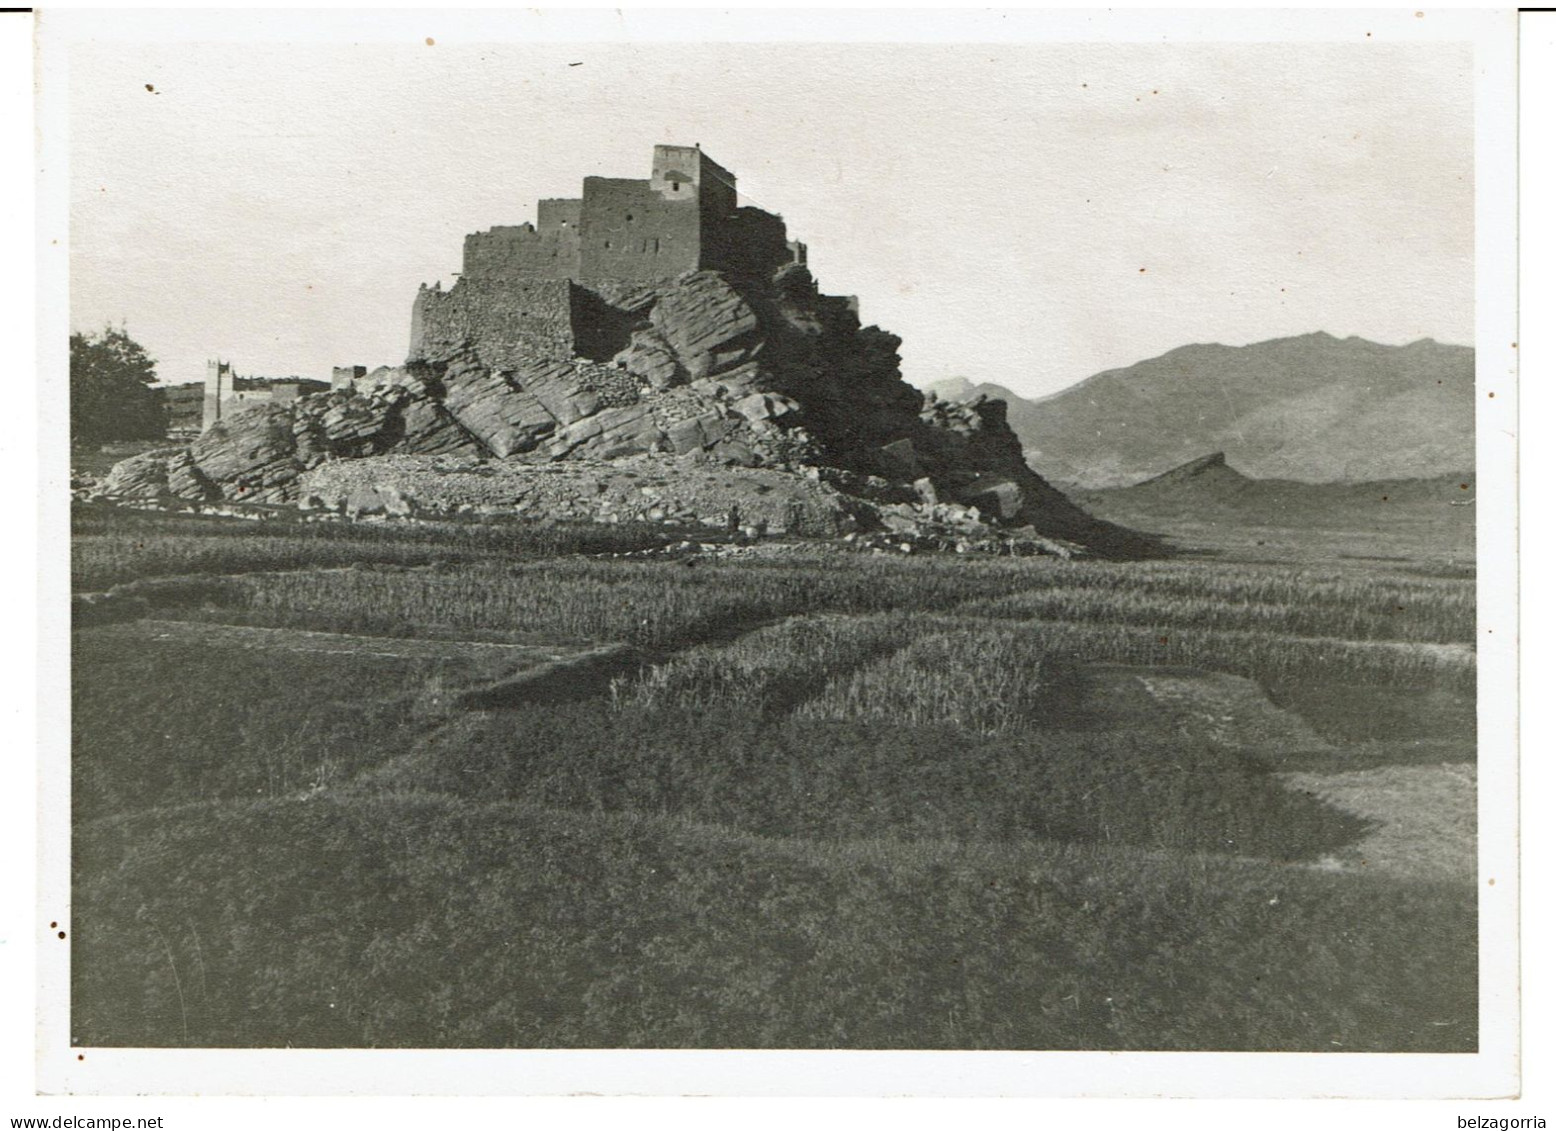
{"points": [[544, 288]]}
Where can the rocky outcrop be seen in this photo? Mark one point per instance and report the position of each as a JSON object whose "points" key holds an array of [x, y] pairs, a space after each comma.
{"points": [[257, 455], [708, 324], [706, 370]]}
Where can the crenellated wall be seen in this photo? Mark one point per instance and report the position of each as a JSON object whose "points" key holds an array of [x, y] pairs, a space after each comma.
{"points": [[522, 252]]}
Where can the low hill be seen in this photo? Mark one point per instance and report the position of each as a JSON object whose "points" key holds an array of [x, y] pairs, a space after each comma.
{"points": [[1208, 473], [1314, 408], [1208, 494]]}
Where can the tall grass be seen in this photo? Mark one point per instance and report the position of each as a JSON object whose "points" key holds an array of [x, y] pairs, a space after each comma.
{"points": [[830, 778], [653, 604], [977, 679], [843, 806], [109, 547], [1350, 603], [771, 669], [1294, 603], [898, 667], [1266, 658], [669, 605], [417, 921], [991, 674], [157, 723]]}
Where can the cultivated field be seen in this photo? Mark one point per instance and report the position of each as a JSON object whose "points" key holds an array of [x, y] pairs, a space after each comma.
{"points": [[372, 785]]}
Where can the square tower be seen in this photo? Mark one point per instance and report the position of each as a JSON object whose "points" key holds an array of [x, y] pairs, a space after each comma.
{"points": [[218, 388], [684, 172]]}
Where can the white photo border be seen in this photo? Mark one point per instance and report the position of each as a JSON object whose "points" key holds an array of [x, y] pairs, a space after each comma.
{"points": [[1493, 1071]]}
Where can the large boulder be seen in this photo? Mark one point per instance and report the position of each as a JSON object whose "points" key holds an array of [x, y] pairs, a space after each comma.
{"points": [[650, 358], [143, 476], [707, 323], [506, 418], [253, 455]]}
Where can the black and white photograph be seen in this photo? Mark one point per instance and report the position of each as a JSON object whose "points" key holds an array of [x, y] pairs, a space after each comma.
{"points": [[945, 534]]}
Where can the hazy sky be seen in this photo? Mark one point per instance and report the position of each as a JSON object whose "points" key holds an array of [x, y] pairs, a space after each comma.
{"points": [[1028, 215]]}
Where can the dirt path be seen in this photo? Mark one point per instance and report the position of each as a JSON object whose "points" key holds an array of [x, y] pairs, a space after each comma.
{"points": [[1424, 817], [341, 644]]}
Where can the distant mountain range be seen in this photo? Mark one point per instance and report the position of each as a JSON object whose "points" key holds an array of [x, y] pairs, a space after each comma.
{"points": [[1314, 408]]}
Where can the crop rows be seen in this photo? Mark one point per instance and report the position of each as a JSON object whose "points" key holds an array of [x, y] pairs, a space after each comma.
{"points": [[111, 547]]}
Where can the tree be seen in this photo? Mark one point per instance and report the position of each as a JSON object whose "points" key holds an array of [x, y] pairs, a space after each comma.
{"points": [[111, 394]]}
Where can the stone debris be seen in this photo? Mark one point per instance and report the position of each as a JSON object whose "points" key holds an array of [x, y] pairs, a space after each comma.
{"points": [[675, 492]]}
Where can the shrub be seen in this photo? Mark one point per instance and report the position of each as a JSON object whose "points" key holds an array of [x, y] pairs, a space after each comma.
{"points": [[111, 389]]}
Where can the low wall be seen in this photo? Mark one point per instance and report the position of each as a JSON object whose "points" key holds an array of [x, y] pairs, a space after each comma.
{"points": [[507, 320]]}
